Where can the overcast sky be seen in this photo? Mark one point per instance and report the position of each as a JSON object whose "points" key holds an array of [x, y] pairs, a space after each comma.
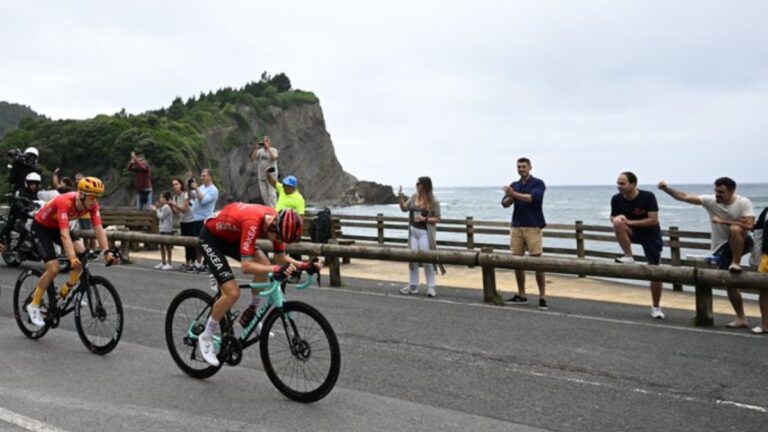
{"points": [[457, 90]]}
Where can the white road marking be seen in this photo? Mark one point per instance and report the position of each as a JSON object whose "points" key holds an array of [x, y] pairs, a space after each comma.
{"points": [[25, 422]]}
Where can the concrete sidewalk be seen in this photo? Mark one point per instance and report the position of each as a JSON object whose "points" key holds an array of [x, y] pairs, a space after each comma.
{"points": [[557, 285]]}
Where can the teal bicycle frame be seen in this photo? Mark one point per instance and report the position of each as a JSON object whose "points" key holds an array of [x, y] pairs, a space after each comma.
{"points": [[274, 297]]}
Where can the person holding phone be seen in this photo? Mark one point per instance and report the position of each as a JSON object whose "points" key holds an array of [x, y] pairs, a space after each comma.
{"points": [[203, 199], [266, 157], [143, 180], [423, 215]]}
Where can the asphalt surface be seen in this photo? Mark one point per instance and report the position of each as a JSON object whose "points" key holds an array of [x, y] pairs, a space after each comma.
{"points": [[408, 363]]}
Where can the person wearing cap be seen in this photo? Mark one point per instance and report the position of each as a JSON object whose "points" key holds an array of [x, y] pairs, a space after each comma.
{"points": [[290, 197], [265, 157]]}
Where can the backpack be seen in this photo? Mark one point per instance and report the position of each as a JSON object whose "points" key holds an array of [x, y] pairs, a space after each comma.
{"points": [[760, 239], [321, 227]]}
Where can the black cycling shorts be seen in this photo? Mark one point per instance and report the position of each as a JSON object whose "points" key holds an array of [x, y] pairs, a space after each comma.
{"points": [[46, 237], [215, 251]]}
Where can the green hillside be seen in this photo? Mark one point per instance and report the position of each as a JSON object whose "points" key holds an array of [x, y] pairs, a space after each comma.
{"points": [[11, 114], [173, 138]]}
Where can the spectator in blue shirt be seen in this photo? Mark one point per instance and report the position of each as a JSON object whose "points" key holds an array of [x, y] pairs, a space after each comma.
{"points": [[527, 195], [203, 200]]}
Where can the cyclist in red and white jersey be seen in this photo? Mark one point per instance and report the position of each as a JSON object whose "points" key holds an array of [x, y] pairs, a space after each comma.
{"points": [[233, 232], [51, 225]]}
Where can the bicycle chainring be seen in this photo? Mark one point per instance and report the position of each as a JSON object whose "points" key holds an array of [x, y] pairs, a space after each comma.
{"points": [[53, 316], [231, 351]]}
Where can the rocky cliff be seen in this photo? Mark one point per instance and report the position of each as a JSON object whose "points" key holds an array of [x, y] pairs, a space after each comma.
{"points": [[305, 151]]}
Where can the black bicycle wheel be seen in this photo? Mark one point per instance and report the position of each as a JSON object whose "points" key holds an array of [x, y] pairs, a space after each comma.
{"points": [[185, 319], [22, 296], [303, 358], [99, 316]]}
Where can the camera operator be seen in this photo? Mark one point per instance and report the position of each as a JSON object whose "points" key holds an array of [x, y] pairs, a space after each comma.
{"points": [[22, 165]]}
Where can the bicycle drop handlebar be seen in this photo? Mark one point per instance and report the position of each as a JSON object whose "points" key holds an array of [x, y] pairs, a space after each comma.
{"points": [[275, 282]]}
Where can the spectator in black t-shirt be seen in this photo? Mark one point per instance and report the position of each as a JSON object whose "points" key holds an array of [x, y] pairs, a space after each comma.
{"points": [[635, 218]]}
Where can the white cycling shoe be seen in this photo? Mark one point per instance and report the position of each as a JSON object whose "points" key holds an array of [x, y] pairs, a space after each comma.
{"points": [[205, 345], [35, 315]]}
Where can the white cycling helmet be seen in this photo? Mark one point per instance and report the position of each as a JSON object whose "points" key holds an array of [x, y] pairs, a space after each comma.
{"points": [[32, 150], [33, 177]]}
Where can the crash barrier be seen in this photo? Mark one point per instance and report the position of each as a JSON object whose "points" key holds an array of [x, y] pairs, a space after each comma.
{"points": [[703, 279], [392, 231]]}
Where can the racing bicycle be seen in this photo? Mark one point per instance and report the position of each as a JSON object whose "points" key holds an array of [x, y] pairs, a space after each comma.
{"points": [[299, 349], [94, 300]]}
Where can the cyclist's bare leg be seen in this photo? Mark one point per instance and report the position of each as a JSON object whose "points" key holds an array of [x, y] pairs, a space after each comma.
{"points": [[74, 274], [52, 269], [230, 292]]}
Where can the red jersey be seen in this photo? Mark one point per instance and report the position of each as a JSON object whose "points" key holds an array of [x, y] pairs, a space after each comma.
{"points": [[244, 223], [59, 211]]}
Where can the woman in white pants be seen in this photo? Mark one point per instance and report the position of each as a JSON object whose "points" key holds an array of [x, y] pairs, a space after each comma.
{"points": [[423, 215]]}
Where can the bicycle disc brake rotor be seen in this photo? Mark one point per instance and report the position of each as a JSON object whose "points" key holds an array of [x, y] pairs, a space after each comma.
{"points": [[231, 351], [301, 348]]}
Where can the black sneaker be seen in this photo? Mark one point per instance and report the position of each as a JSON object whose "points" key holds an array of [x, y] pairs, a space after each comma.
{"points": [[543, 304], [247, 315], [516, 299]]}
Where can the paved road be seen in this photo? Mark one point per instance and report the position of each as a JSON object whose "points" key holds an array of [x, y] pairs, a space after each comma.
{"points": [[448, 364]]}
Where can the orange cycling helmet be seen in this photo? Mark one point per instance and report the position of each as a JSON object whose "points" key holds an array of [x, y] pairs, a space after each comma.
{"points": [[91, 186], [289, 225]]}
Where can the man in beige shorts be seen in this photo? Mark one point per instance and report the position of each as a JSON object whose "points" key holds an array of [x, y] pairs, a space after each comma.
{"points": [[527, 195]]}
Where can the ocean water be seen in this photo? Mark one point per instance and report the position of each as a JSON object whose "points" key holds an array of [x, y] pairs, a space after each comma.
{"points": [[563, 205]]}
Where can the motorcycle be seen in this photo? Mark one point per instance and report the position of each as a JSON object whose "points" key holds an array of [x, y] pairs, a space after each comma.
{"points": [[20, 246]]}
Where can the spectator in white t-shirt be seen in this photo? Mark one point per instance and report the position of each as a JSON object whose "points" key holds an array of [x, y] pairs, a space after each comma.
{"points": [[732, 218]]}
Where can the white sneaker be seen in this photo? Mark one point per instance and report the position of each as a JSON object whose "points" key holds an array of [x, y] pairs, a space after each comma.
{"points": [[166, 267], [206, 348], [625, 260], [431, 292], [656, 313], [158, 266], [409, 289], [258, 330], [35, 315]]}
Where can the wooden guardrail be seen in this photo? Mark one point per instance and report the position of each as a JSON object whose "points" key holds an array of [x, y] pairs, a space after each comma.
{"points": [[379, 231], [703, 279], [134, 220]]}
